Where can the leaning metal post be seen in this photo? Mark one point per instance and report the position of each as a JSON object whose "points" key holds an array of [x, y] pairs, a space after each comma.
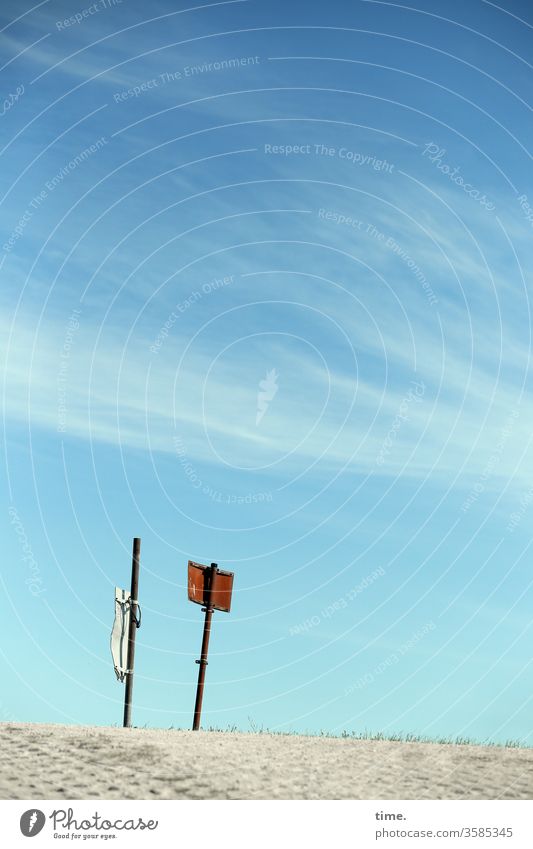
{"points": [[210, 580], [132, 631]]}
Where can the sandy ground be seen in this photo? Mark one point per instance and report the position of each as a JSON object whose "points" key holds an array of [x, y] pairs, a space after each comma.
{"points": [[75, 762]]}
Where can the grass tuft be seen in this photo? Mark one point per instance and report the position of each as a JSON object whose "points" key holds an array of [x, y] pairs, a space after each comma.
{"points": [[393, 737]]}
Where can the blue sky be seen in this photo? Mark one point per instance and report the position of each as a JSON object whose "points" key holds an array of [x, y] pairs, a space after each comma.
{"points": [[265, 301]]}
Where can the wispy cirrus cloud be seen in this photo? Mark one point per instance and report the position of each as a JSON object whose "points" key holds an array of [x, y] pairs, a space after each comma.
{"points": [[121, 395]]}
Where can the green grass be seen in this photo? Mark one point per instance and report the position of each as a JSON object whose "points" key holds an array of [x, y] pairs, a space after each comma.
{"points": [[399, 737]]}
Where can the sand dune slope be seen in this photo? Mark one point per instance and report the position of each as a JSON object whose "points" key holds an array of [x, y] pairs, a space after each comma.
{"points": [[74, 762]]}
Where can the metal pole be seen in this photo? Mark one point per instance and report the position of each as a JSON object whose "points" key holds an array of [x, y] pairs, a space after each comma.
{"points": [[133, 628], [205, 645]]}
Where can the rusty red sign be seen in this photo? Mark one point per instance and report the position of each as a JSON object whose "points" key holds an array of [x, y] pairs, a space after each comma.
{"points": [[198, 576]]}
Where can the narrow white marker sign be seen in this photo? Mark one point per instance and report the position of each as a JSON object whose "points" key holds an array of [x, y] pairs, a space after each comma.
{"points": [[119, 634]]}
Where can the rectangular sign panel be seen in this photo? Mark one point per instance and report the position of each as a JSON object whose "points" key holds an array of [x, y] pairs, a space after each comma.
{"points": [[196, 582], [220, 593], [119, 634]]}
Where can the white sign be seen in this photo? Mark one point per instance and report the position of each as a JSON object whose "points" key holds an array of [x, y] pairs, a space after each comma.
{"points": [[120, 632]]}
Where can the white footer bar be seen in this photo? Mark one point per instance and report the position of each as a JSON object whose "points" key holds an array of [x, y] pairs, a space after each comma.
{"points": [[268, 824]]}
